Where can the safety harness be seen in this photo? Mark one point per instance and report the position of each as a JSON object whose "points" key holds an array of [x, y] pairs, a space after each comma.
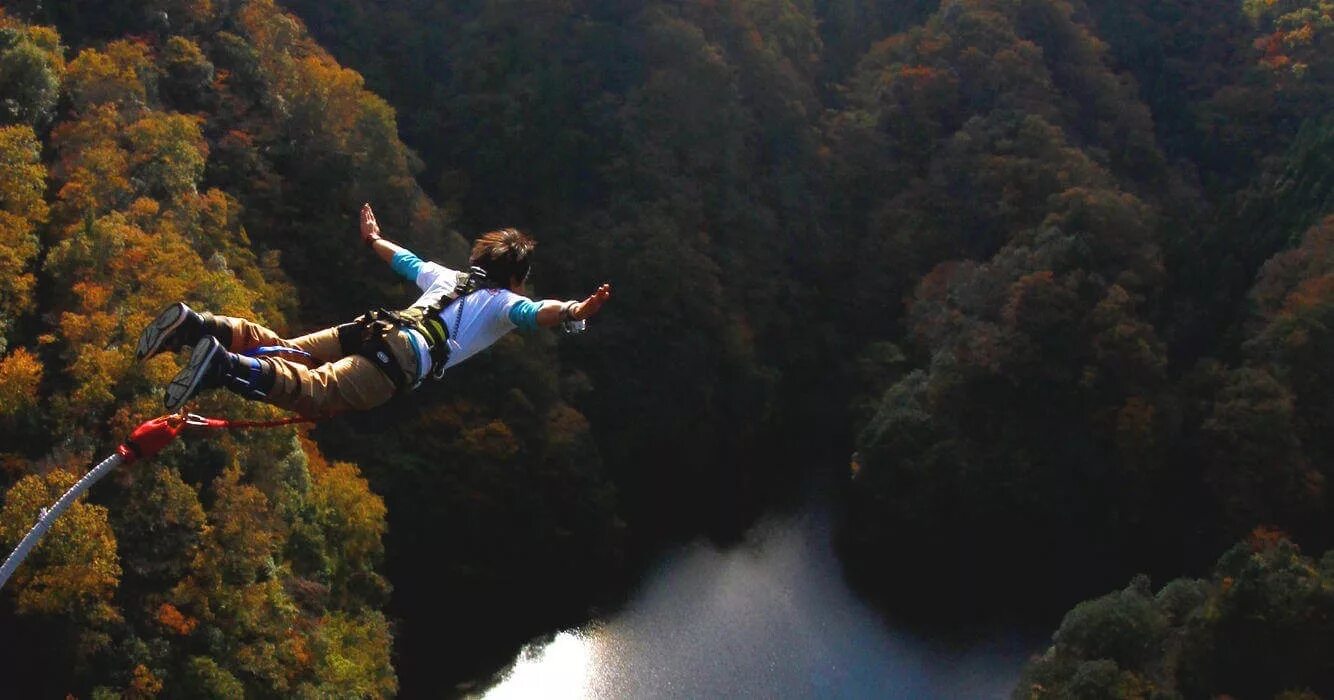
{"points": [[366, 334]]}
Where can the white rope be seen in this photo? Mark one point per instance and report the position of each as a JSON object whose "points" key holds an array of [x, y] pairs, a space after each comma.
{"points": [[48, 515]]}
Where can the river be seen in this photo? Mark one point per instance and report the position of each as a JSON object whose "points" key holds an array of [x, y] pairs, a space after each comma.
{"points": [[770, 618]]}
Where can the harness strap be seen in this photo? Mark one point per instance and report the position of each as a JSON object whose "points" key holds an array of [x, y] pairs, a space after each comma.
{"points": [[376, 349], [366, 335], [266, 350]]}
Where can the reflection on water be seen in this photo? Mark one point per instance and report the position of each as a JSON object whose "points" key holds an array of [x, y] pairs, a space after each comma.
{"points": [[557, 669], [771, 618]]}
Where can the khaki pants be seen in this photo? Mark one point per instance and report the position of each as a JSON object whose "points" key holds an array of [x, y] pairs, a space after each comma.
{"points": [[330, 382]]}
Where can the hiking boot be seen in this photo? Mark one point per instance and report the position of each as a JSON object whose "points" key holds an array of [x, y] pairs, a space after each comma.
{"points": [[205, 370], [211, 366], [176, 327]]}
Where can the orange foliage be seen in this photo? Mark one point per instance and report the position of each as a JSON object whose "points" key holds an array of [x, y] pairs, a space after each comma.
{"points": [[930, 44], [176, 621], [128, 232], [1309, 295], [12, 465], [167, 152], [1298, 38], [23, 179], [269, 29], [195, 11], [115, 75], [755, 38], [1024, 292], [18, 251], [144, 684], [94, 295], [299, 649], [94, 168], [1275, 61], [122, 268], [1265, 538], [919, 75], [351, 513], [1303, 35], [936, 282], [74, 571], [446, 418], [243, 525], [494, 440], [22, 184], [20, 375]]}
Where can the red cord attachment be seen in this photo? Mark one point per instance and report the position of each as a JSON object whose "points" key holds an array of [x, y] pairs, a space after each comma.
{"points": [[151, 436], [197, 421]]}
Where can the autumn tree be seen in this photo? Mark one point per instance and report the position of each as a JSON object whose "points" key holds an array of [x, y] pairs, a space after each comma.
{"points": [[74, 571], [1290, 301], [950, 137], [167, 591], [1042, 391], [22, 210], [1296, 39]]}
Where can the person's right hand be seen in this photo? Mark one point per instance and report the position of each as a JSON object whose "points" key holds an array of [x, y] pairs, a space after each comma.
{"points": [[370, 230]]}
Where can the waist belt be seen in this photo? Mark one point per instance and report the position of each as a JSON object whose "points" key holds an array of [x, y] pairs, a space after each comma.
{"points": [[366, 334]]}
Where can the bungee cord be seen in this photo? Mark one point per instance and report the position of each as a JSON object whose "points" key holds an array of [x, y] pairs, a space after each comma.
{"points": [[144, 443]]}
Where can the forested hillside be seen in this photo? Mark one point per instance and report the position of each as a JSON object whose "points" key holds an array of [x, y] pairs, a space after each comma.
{"points": [[1257, 626], [1116, 377], [245, 563], [215, 154], [1056, 271]]}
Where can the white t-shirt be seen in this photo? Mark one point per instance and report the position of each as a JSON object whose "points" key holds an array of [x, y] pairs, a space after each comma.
{"points": [[486, 313]]}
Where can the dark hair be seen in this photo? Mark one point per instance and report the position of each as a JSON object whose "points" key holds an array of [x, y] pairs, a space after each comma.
{"points": [[503, 254]]}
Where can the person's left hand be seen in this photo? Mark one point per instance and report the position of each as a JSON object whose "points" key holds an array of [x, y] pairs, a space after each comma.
{"points": [[592, 304], [370, 230]]}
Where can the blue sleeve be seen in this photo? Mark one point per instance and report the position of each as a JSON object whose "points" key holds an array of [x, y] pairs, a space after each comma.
{"points": [[406, 264], [523, 314]]}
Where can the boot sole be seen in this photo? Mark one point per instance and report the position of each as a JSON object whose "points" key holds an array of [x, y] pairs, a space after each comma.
{"points": [[150, 341], [186, 382]]}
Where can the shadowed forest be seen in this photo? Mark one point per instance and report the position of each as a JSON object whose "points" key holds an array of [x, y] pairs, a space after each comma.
{"points": [[1058, 274]]}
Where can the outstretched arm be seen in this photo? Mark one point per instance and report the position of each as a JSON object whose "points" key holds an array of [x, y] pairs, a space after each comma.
{"points": [[402, 260], [552, 313]]}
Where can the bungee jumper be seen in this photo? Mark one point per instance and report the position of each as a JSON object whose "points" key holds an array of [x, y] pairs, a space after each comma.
{"points": [[362, 364], [354, 366]]}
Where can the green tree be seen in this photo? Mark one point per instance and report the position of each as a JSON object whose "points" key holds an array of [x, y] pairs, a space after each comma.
{"points": [[1257, 627], [205, 679], [187, 75], [353, 657], [1255, 466], [1293, 301], [32, 62]]}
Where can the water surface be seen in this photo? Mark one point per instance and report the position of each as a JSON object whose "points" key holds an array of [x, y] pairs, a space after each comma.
{"points": [[770, 618]]}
